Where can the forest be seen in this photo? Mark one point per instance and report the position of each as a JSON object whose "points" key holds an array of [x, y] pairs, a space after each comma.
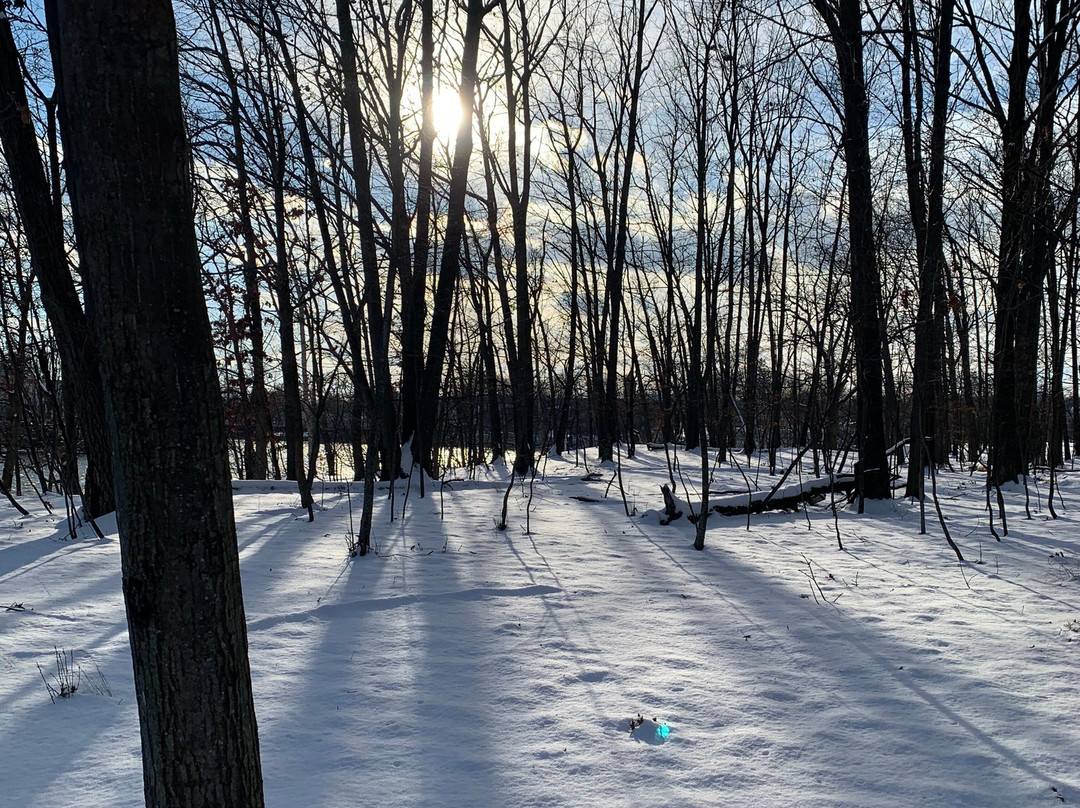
{"points": [[485, 230], [762, 254]]}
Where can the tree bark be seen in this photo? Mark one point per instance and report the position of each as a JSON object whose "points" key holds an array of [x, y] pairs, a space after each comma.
{"points": [[844, 21], [290, 372], [517, 194], [130, 185], [613, 287], [414, 278], [383, 419], [1028, 234]]}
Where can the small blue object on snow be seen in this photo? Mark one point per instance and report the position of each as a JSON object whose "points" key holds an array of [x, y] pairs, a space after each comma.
{"points": [[663, 730]]}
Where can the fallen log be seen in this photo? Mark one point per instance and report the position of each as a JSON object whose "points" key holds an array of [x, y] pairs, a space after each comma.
{"points": [[788, 498]]}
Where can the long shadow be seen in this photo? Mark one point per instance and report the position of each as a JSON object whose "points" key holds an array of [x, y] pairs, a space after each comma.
{"points": [[729, 574], [355, 607], [384, 680], [44, 741], [66, 751], [86, 730], [22, 557], [1024, 537], [299, 667], [717, 570], [586, 674], [398, 670], [457, 678]]}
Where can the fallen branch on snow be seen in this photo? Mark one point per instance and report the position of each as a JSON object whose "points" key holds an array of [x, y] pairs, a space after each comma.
{"points": [[787, 498]]}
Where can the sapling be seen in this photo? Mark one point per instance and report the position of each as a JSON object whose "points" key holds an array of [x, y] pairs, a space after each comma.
{"points": [[941, 516], [11, 498], [618, 474], [352, 542], [69, 677], [501, 524], [408, 487], [532, 491]]}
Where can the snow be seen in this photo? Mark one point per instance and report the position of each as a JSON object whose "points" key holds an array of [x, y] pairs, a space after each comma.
{"points": [[467, 666]]}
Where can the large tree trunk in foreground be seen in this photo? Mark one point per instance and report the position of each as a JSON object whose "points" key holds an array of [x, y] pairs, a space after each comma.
{"points": [[129, 179]]}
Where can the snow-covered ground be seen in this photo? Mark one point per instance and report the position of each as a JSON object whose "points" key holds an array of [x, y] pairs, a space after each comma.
{"points": [[467, 666]]}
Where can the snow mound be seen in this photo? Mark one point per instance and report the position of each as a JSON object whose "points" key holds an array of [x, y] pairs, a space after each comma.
{"points": [[648, 731]]}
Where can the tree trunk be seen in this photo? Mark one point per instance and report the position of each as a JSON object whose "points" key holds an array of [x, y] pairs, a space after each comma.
{"points": [[562, 423], [927, 410], [613, 289], [518, 193], [1029, 234], [258, 405], [129, 179], [45, 239], [414, 280], [290, 373], [844, 20], [427, 413], [383, 420]]}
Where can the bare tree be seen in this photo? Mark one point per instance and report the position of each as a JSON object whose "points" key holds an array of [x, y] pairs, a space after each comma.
{"points": [[928, 443], [843, 19], [129, 181], [450, 261], [45, 239]]}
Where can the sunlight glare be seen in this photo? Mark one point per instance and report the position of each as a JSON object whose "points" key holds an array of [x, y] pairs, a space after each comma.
{"points": [[446, 112]]}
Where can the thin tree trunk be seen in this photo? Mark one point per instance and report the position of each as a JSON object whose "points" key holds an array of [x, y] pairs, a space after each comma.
{"points": [[383, 421], [613, 289], [259, 406], [518, 194], [290, 374], [427, 413], [413, 282], [45, 238]]}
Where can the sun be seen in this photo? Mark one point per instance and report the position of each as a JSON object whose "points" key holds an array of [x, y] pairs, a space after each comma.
{"points": [[446, 112]]}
